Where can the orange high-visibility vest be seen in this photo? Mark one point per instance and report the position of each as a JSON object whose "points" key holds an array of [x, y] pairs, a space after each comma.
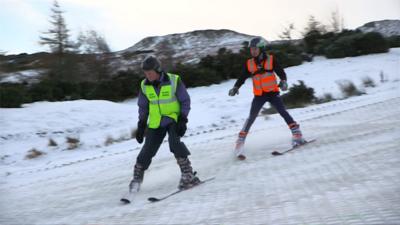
{"points": [[266, 81]]}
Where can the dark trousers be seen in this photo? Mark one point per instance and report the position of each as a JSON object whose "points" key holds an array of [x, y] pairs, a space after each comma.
{"points": [[153, 141], [258, 101]]}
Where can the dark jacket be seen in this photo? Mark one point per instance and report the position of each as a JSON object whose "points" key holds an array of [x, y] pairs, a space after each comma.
{"points": [[245, 73], [181, 94]]}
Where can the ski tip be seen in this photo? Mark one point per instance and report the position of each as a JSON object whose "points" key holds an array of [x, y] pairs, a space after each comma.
{"points": [[241, 157], [125, 201], [152, 199], [276, 153]]}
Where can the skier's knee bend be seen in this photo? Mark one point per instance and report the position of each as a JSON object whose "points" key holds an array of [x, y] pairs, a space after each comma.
{"points": [[143, 160], [174, 143], [180, 151]]}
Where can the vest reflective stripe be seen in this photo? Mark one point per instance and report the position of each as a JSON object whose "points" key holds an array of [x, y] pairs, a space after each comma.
{"points": [[251, 66], [163, 104], [163, 101], [268, 64], [265, 82]]}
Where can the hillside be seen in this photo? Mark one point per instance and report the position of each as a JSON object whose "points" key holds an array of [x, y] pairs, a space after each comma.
{"points": [[385, 27]]}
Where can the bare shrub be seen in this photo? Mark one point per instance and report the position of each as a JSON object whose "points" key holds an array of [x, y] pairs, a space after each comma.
{"points": [[34, 153], [109, 141], [327, 97], [73, 143], [348, 88], [52, 143], [368, 82]]}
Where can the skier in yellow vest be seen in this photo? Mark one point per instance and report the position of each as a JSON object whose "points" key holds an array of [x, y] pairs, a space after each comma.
{"points": [[164, 105], [263, 69]]}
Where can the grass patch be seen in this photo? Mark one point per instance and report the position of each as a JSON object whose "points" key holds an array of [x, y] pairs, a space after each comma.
{"points": [[348, 88], [73, 143], [33, 153]]}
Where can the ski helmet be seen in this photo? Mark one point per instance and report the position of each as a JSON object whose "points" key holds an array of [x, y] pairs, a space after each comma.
{"points": [[151, 63], [258, 42]]}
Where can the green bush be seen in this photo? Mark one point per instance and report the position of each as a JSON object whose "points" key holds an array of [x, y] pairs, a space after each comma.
{"points": [[311, 40], [371, 42], [355, 44], [12, 95], [343, 47], [194, 76], [226, 64], [299, 95], [288, 59], [394, 41], [42, 91], [288, 54]]}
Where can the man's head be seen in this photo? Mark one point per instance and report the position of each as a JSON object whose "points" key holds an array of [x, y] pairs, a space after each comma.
{"points": [[257, 45], [151, 67]]}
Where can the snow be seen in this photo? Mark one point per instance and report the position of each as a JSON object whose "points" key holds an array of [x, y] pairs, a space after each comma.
{"points": [[351, 175], [387, 28], [19, 77]]}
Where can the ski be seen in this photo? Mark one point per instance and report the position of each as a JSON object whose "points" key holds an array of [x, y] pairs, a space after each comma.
{"points": [[241, 157], [239, 151], [276, 153], [154, 199], [239, 147], [240, 154], [128, 197]]}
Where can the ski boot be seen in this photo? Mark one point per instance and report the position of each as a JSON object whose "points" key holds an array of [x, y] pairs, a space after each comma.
{"points": [[297, 137], [239, 149], [134, 185], [188, 177], [137, 180]]}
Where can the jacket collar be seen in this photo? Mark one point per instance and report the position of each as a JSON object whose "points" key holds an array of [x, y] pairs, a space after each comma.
{"points": [[261, 57], [163, 79]]}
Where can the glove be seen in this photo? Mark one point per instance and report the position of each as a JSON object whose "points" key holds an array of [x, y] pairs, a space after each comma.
{"points": [[181, 125], [234, 91], [141, 127], [283, 85]]}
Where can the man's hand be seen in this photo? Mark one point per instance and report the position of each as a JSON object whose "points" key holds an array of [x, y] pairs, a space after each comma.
{"points": [[234, 91], [283, 85], [181, 125], [141, 127]]}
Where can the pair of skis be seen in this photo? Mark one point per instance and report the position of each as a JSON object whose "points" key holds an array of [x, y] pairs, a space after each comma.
{"points": [[239, 149], [129, 197], [239, 152], [276, 153]]}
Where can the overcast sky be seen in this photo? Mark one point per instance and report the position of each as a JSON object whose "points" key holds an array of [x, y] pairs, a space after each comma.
{"points": [[125, 22]]}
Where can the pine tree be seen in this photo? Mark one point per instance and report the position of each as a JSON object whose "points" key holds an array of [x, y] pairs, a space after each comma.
{"points": [[57, 37], [92, 42], [97, 54], [64, 66], [336, 22], [314, 26], [287, 32]]}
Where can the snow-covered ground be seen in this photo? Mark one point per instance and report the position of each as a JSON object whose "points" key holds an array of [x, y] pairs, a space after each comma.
{"points": [[351, 175]]}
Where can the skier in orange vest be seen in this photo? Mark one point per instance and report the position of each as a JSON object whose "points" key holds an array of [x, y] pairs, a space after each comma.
{"points": [[263, 68]]}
